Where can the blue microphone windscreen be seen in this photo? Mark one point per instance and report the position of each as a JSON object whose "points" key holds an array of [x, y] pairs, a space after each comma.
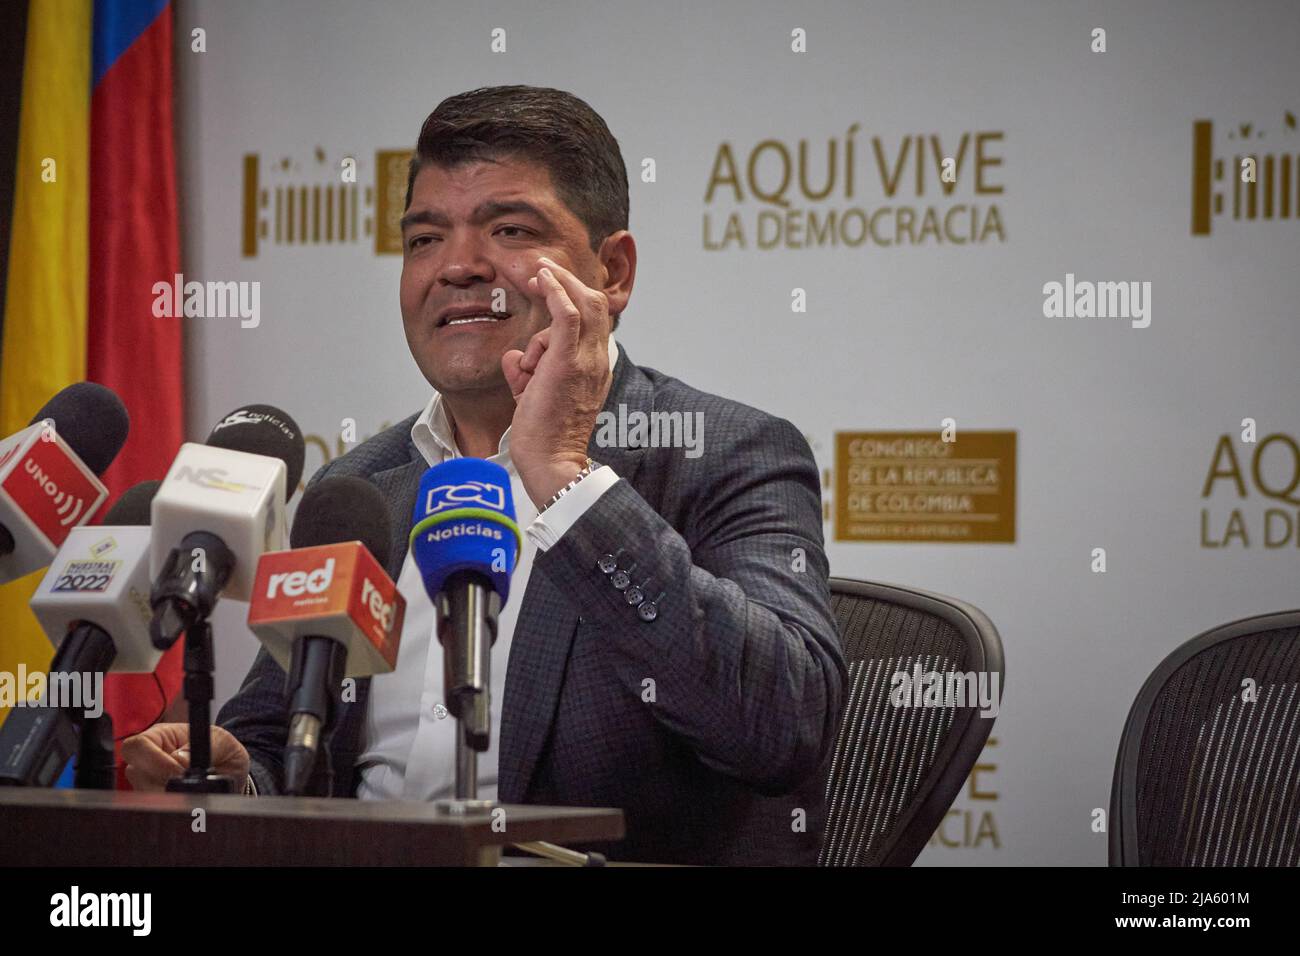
{"points": [[464, 520]]}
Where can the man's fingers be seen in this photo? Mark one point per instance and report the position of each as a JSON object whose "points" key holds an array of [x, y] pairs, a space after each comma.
{"points": [[148, 766], [228, 754], [566, 319], [516, 378], [167, 736], [139, 780], [149, 746], [536, 346], [592, 304]]}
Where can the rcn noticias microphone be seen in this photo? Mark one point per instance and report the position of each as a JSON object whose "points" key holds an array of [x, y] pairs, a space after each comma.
{"points": [[327, 609], [93, 604], [465, 542], [219, 508], [49, 474]]}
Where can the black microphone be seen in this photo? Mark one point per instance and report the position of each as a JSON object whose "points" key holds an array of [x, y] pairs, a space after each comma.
{"points": [[263, 430], [132, 509], [91, 419], [333, 511]]}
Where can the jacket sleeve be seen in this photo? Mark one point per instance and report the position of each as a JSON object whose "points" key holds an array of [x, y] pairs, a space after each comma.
{"points": [[258, 717], [743, 647]]}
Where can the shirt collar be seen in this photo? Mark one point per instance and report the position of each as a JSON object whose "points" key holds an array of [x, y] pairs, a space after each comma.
{"points": [[435, 439]]}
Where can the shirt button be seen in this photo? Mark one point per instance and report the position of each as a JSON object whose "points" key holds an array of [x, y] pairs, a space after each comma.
{"points": [[648, 611], [607, 563], [620, 579], [634, 595]]}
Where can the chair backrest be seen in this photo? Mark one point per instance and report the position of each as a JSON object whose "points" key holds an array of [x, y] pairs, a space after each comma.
{"points": [[896, 769], [1207, 768]]}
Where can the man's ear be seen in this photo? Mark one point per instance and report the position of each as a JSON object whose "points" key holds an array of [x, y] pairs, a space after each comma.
{"points": [[618, 258]]}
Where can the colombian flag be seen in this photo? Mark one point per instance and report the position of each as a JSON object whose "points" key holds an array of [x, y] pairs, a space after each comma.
{"points": [[94, 226]]}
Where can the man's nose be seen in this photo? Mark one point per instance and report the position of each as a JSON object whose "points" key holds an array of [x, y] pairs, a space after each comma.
{"points": [[463, 260]]}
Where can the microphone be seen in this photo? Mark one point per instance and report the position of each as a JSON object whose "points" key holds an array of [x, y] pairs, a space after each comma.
{"points": [[465, 543], [98, 585], [93, 603], [327, 609], [223, 505], [219, 508], [49, 474]]}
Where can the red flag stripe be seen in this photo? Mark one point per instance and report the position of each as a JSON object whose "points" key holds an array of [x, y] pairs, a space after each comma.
{"points": [[134, 242]]}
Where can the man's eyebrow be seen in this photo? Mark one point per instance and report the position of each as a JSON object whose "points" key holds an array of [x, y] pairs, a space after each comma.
{"points": [[486, 211]]}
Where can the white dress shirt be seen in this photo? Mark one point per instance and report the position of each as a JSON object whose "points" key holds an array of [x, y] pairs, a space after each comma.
{"points": [[408, 748]]}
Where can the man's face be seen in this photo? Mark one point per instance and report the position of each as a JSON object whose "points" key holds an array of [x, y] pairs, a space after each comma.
{"points": [[469, 232]]}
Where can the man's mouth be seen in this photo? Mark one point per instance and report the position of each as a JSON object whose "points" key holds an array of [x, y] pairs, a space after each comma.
{"points": [[471, 318]]}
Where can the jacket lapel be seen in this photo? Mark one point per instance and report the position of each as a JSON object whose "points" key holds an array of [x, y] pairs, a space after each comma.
{"points": [[547, 620], [400, 486]]}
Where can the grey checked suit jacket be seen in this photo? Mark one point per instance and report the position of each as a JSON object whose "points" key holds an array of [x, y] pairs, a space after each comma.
{"points": [[727, 763]]}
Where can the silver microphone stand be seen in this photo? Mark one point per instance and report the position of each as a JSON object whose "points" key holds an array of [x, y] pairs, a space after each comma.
{"points": [[467, 612], [467, 629]]}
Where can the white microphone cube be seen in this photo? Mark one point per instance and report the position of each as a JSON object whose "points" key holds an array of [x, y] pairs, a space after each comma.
{"points": [[101, 576], [234, 495]]}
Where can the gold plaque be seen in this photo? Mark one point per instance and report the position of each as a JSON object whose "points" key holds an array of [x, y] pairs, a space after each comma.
{"points": [[391, 167], [913, 486]]}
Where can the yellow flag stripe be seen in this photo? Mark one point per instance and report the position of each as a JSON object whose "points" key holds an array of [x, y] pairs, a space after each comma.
{"points": [[44, 347]]}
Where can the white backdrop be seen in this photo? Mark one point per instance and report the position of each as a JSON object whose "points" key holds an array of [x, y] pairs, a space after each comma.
{"points": [[1116, 426]]}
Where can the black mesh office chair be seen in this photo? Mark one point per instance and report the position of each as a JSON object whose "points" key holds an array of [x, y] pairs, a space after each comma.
{"points": [[896, 770], [1205, 777]]}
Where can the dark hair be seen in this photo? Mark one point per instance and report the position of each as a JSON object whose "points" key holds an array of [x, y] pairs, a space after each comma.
{"points": [[549, 127]]}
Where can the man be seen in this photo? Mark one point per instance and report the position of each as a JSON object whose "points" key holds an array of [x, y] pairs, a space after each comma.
{"points": [[669, 646]]}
